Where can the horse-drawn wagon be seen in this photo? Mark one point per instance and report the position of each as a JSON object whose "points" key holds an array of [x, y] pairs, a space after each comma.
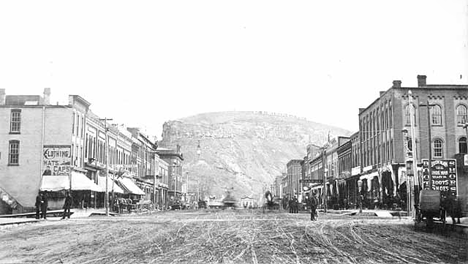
{"points": [[430, 208], [270, 202]]}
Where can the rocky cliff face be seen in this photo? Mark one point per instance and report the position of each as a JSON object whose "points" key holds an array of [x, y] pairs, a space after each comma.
{"points": [[241, 150]]}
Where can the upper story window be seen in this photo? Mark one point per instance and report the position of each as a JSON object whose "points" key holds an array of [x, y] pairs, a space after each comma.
{"points": [[462, 115], [436, 115], [438, 148], [462, 147], [15, 121], [408, 114], [13, 152]]}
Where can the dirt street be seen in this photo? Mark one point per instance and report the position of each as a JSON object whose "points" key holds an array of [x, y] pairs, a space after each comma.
{"points": [[229, 236]]}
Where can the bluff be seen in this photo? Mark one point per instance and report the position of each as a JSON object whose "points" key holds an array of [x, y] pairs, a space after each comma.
{"points": [[244, 151]]}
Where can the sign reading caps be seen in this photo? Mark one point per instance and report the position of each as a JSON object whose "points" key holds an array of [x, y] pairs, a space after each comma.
{"points": [[444, 176], [57, 160]]}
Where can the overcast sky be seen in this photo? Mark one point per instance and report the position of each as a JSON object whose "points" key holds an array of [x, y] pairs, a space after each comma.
{"points": [[146, 62]]}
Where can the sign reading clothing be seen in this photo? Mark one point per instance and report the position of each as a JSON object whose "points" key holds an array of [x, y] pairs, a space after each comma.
{"points": [[57, 160], [444, 176]]}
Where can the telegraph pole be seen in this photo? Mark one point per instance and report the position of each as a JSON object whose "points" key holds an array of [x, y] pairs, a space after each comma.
{"points": [[429, 139], [106, 198]]}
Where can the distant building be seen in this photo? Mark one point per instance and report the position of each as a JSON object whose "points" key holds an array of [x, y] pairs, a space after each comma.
{"points": [[294, 174], [174, 158]]}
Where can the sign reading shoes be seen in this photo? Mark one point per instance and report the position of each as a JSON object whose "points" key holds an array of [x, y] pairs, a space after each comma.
{"points": [[444, 176]]}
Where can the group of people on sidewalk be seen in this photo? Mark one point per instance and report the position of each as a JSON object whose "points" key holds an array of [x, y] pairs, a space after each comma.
{"points": [[311, 202], [42, 202]]}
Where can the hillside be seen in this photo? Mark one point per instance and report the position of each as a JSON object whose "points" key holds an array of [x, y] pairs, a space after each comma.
{"points": [[241, 150]]}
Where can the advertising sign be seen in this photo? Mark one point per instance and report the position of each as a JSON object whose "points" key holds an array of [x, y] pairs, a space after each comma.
{"points": [[444, 176], [57, 160]]}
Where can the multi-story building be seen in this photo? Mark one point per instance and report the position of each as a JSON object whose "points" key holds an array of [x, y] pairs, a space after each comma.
{"points": [[277, 188], [42, 147], [382, 143], [352, 182], [294, 174], [59, 148], [174, 158], [163, 183], [344, 172]]}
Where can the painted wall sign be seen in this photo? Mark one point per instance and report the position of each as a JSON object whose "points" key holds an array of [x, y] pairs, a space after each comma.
{"points": [[57, 160]]}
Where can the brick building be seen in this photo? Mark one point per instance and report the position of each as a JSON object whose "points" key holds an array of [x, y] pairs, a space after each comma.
{"points": [[293, 175], [58, 148], [382, 142]]}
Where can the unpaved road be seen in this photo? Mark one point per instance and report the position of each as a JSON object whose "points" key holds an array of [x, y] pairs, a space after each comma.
{"points": [[231, 236]]}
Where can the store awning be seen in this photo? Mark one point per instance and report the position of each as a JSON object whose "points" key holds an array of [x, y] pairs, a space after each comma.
{"points": [[111, 184], [130, 187], [55, 183], [80, 182]]}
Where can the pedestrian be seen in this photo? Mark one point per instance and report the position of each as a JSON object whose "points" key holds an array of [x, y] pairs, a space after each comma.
{"points": [[313, 206], [38, 205], [44, 204], [291, 206], [296, 205], [67, 205]]}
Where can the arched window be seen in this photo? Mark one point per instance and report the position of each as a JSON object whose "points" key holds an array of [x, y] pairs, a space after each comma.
{"points": [[436, 115], [438, 148], [408, 113], [462, 115], [462, 147]]}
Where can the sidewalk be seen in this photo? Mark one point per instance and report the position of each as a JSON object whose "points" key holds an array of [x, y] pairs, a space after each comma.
{"points": [[77, 213]]}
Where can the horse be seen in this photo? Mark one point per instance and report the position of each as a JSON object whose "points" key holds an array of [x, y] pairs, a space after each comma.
{"points": [[452, 207], [270, 204]]}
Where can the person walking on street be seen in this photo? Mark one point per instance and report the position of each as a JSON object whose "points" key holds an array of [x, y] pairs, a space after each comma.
{"points": [[313, 207], [296, 205], [38, 205], [67, 205], [291, 206], [45, 203]]}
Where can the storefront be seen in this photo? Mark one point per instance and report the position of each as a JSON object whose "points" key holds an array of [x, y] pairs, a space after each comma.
{"points": [[83, 190]]}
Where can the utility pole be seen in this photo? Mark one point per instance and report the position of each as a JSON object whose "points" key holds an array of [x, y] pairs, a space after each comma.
{"points": [[429, 139], [106, 198], [324, 180]]}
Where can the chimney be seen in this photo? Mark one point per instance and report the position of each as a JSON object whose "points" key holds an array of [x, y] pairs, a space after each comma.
{"points": [[396, 84], [422, 80], [2, 96], [46, 96]]}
